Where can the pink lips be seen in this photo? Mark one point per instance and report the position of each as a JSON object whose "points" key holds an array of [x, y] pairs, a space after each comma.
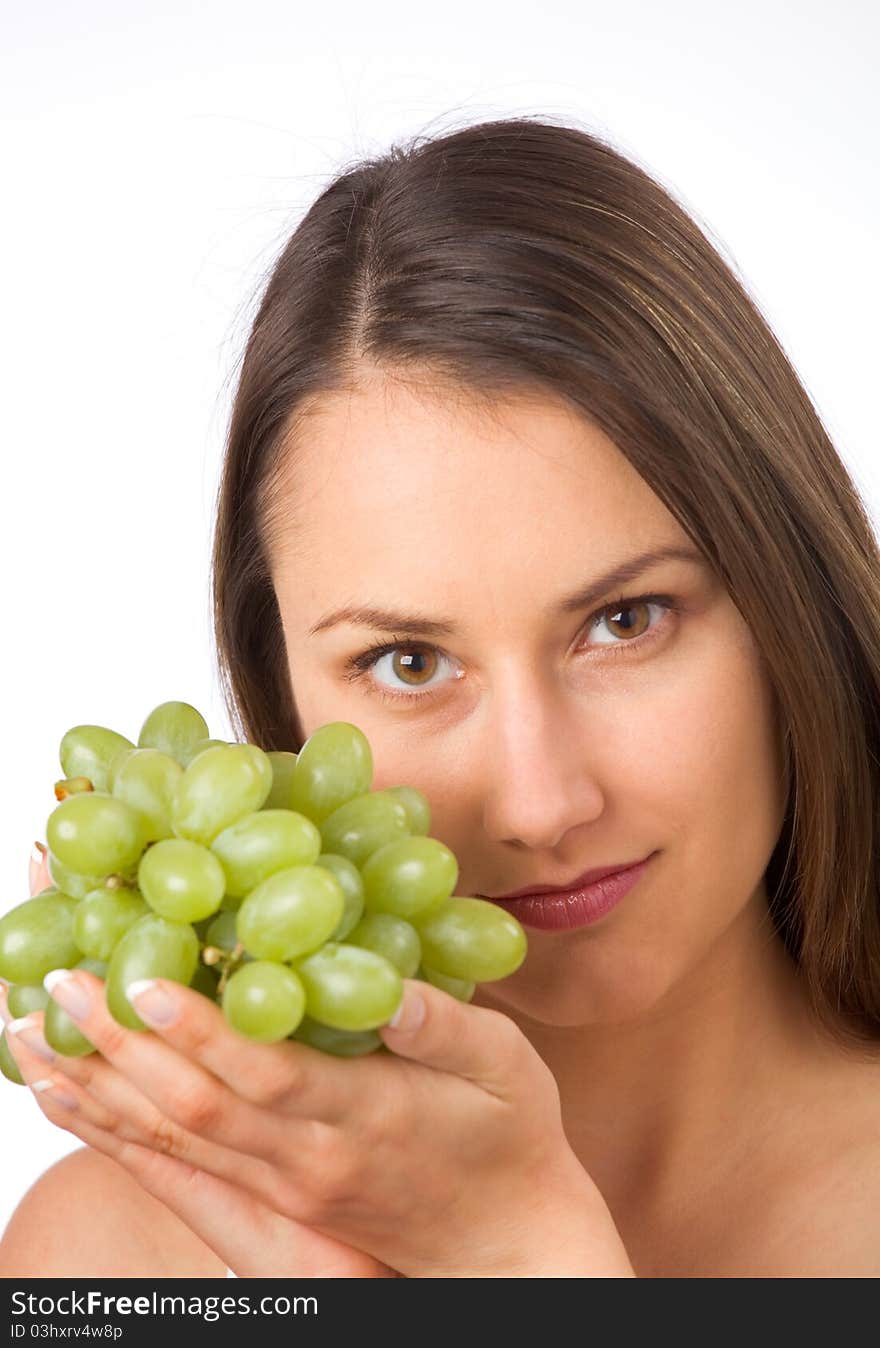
{"points": [[565, 887], [578, 907]]}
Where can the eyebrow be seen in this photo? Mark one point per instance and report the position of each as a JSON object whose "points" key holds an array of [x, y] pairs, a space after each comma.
{"points": [[388, 620]]}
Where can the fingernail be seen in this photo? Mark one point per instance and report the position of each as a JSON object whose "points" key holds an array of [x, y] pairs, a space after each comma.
{"points": [[152, 1003], [59, 1096], [38, 851], [63, 988], [26, 1030], [411, 1012]]}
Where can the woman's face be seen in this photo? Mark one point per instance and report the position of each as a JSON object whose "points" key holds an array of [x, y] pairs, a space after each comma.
{"points": [[548, 740]]}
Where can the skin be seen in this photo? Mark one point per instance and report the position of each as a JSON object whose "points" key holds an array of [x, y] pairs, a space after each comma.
{"points": [[694, 1090]]}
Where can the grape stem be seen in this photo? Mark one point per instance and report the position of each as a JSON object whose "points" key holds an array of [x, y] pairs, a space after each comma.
{"points": [[232, 962], [72, 786]]}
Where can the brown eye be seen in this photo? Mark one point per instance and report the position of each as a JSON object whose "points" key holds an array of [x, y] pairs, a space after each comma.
{"points": [[627, 621], [621, 622], [412, 665], [410, 670]]}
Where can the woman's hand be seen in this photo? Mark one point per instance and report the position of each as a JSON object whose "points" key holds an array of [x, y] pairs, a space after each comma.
{"points": [[445, 1157], [250, 1236]]}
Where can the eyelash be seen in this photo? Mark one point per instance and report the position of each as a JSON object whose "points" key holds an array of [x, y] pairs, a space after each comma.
{"points": [[360, 665]]}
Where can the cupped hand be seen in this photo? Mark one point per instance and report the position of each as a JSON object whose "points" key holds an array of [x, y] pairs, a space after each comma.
{"points": [[109, 1113], [445, 1157]]}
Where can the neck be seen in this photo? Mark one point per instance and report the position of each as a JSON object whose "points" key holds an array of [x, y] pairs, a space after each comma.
{"points": [[674, 1097]]}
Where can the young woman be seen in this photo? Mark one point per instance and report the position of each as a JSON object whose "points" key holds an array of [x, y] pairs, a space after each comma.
{"points": [[519, 481]]}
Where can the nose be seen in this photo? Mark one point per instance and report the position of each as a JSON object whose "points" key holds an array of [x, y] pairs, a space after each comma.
{"points": [[539, 777]]}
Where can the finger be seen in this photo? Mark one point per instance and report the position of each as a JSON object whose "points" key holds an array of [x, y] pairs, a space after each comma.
{"points": [[474, 1042], [103, 1096], [62, 1100], [38, 869], [184, 1092], [189, 1028], [250, 1238], [204, 1201], [239, 1224], [139, 1120]]}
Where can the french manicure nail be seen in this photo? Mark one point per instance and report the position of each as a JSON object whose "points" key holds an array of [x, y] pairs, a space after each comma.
{"points": [[63, 988], [151, 1002], [410, 1013], [60, 1097], [28, 1032]]}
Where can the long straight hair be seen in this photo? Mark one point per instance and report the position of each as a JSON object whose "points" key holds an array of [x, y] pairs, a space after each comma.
{"points": [[517, 254]]}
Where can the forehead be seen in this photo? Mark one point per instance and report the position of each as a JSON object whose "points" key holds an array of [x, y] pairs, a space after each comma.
{"points": [[391, 472]]}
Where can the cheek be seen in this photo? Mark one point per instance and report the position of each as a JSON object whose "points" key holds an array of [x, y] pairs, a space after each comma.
{"points": [[713, 786], [707, 792], [723, 770]]}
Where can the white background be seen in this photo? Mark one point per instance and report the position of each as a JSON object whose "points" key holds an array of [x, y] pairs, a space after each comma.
{"points": [[154, 158]]}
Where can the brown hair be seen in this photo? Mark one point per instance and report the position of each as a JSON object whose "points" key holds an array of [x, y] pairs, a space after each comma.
{"points": [[518, 253]]}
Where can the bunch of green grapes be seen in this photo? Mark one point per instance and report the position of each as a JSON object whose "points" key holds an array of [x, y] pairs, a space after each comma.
{"points": [[277, 884]]}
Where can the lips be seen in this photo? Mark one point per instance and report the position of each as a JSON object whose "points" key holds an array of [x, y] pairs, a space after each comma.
{"points": [[588, 878]]}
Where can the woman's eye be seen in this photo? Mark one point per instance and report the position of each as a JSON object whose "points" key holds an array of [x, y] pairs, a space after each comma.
{"points": [[415, 666], [623, 627], [407, 671]]}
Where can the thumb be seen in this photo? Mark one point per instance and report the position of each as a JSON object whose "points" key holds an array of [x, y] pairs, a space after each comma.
{"points": [[474, 1042]]}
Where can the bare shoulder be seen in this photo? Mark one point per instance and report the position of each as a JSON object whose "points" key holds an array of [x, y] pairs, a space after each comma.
{"points": [[823, 1220], [87, 1217]]}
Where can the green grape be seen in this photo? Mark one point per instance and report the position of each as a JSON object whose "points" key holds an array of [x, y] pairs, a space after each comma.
{"points": [[103, 917], [471, 939], [222, 931], [23, 998], [390, 937], [87, 751], [181, 880], [408, 877], [8, 1065], [283, 763], [116, 762], [349, 877], [60, 1031], [153, 947], [334, 765], [341, 1043], [70, 882], [261, 843], [199, 747], [361, 826], [204, 980], [264, 1000], [291, 913], [461, 988], [37, 936], [174, 728], [95, 834], [416, 805], [230, 904], [147, 780], [349, 988], [218, 787]]}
